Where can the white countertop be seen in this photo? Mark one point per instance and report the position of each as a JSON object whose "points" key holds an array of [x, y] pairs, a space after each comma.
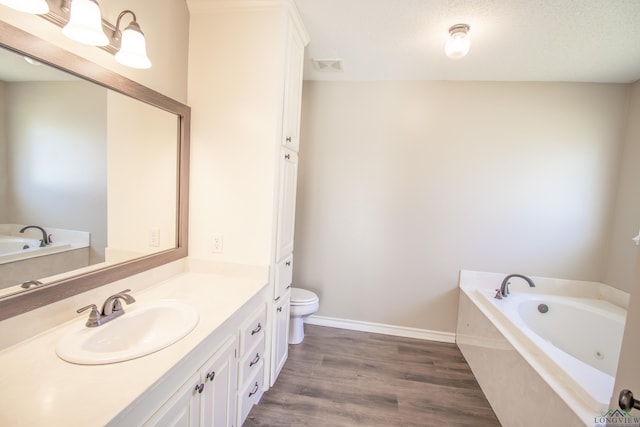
{"points": [[38, 388]]}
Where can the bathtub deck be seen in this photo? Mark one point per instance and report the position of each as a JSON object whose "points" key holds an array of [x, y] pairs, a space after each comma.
{"points": [[338, 377]]}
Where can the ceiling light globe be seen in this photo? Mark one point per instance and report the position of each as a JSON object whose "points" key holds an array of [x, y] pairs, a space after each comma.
{"points": [[459, 43]]}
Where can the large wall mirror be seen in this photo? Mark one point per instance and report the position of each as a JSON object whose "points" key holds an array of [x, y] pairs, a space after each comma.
{"points": [[93, 175]]}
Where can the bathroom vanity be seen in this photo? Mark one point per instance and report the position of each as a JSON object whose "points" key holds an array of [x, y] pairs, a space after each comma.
{"points": [[212, 376]]}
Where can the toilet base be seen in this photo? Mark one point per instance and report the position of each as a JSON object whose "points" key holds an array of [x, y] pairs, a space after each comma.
{"points": [[296, 330]]}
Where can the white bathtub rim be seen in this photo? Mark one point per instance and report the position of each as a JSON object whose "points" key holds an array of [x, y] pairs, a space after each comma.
{"points": [[547, 285], [595, 380], [582, 404]]}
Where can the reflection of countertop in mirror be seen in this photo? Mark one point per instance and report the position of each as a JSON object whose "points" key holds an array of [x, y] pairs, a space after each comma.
{"points": [[38, 388]]}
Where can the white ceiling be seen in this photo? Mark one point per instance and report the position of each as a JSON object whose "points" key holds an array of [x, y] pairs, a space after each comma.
{"points": [[511, 40]]}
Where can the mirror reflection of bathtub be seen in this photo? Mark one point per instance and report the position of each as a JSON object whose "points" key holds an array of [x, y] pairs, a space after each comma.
{"points": [[22, 256]]}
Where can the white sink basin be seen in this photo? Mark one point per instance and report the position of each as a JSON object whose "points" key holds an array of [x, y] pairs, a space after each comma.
{"points": [[144, 328]]}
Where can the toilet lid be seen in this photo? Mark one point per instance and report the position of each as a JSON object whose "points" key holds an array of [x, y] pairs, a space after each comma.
{"points": [[302, 296]]}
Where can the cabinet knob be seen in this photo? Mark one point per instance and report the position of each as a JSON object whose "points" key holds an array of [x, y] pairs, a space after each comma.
{"points": [[211, 375], [257, 329], [255, 360], [279, 309], [199, 388], [288, 139], [288, 263], [287, 156]]}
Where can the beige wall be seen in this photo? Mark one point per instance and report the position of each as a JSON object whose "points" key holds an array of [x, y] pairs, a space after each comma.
{"points": [[142, 169], [57, 169], [621, 255], [402, 184]]}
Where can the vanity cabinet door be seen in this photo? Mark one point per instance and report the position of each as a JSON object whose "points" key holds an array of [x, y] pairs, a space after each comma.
{"points": [[286, 203], [293, 92], [281, 335], [182, 410], [219, 380]]}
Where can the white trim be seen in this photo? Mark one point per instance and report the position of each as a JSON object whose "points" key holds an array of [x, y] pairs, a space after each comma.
{"points": [[379, 328]]}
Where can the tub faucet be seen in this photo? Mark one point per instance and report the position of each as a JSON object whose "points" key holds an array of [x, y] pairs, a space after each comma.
{"points": [[503, 292], [46, 238]]}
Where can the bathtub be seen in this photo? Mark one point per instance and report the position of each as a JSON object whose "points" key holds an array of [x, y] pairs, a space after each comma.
{"points": [[14, 248], [564, 337]]}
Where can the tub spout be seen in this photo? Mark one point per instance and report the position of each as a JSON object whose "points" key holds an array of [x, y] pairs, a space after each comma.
{"points": [[504, 288], [46, 238]]}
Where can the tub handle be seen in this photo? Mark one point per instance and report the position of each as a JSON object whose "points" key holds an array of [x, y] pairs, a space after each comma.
{"points": [[627, 402]]}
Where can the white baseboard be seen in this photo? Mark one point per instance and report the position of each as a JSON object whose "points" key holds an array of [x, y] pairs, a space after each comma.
{"points": [[378, 328]]}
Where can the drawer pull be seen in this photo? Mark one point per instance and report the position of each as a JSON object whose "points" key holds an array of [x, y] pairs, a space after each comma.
{"points": [[255, 360], [279, 309], [288, 139], [288, 263], [199, 388], [255, 389], [211, 375], [257, 329]]}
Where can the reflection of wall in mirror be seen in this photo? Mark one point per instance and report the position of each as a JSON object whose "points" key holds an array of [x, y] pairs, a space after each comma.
{"points": [[4, 177], [55, 140], [142, 170]]}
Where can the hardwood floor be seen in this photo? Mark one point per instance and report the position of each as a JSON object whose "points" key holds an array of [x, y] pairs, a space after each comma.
{"points": [[338, 377]]}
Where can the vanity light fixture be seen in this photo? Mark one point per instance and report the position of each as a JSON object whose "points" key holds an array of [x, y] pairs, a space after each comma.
{"points": [[133, 47], [30, 6], [85, 23], [459, 42], [82, 21]]}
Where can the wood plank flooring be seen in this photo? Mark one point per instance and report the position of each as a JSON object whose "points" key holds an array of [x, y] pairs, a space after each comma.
{"points": [[338, 377]]}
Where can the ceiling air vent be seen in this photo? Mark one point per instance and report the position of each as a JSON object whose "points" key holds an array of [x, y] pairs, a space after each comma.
{"points": [[328, 65]]}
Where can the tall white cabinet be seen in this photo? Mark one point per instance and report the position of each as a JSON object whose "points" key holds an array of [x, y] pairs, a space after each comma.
{"points": [[245, 86]]}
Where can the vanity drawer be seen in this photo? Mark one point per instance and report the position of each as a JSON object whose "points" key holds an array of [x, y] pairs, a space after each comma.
{"points": [[253, 330], [284, 277], [250, 393], [250, 362]]}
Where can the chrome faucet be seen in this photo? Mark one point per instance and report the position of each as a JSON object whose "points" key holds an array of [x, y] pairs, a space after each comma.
{"points": [[111, 309], [46, 238], [503, 292]]}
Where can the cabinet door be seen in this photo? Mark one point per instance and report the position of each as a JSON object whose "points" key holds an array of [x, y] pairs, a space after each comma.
{"points": [[284, 277], [281, 337], [218, 395], [293, 92], [287, 203], [182, 410]]}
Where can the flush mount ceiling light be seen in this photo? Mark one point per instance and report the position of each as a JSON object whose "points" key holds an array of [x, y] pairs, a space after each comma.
{"points": [[133, 47], [459, 42], [30, 6], [85, 23]]}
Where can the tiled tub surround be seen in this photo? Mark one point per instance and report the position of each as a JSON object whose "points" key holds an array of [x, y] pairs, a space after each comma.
{"points": [[38, 388], [528, 380]]}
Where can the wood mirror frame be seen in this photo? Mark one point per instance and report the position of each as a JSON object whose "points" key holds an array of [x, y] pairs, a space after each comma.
{"points": [[25, 43]]}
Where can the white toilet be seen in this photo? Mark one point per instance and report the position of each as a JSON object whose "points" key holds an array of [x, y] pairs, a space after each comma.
{"points": [[303, 303]]}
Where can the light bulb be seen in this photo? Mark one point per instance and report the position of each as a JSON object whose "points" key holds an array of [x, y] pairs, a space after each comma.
{"points": [[133, 48], [85, 23], [37, 7]]}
